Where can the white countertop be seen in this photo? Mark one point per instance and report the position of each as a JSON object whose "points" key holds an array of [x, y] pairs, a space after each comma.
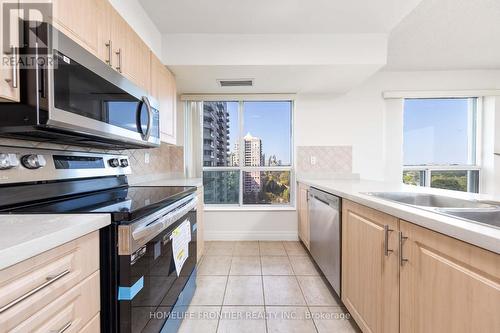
{"points": [[474, 233], [25, 236]]}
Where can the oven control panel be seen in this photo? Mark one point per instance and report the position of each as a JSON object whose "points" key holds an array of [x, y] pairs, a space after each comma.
{"points": [[19, 165]]}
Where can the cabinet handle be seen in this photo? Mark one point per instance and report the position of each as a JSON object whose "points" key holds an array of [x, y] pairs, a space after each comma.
{"points": [[14, 81], [402, 239], [50, 280], [64, 328], [109, 45], [119, 54], [386, 240]]}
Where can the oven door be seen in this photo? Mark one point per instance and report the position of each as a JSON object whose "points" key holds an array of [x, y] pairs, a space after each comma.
{"points": [[85, 95], [149, 286]]}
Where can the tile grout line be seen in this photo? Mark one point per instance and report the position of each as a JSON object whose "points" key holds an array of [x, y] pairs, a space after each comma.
{"points": [[263, 291], [303, 295], [224, 296]]}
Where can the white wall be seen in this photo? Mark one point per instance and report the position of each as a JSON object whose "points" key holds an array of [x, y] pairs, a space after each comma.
{"points": [[371, 124], [251, 225], [135, 15]]}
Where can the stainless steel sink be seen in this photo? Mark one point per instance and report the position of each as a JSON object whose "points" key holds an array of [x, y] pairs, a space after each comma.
{"points": [[487, 216], [429, 200], [476, 211]]}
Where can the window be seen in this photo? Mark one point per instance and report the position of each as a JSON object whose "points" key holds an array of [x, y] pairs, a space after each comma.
{"points": [[440, 143], [247, 152]]}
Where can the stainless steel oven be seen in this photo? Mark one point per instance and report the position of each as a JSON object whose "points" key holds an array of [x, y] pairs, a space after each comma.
{"points": [[140, 282], [68, 95]]}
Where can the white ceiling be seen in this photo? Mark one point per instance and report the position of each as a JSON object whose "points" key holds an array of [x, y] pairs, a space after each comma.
{"points": [[447, 35], [314, 45], [277, 16], [318, 79]]}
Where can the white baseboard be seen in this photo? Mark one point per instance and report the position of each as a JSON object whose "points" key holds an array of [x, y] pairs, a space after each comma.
{"points": [[251, 235]]}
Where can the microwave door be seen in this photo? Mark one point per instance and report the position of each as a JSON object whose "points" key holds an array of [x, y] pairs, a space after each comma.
{"points": [[85, 102]]}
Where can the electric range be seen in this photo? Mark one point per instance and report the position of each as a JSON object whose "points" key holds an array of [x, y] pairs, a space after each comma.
{"points": [[140, 284]]}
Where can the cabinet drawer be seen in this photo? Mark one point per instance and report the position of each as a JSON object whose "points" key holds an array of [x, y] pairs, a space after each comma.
{"points": [[68, 313], [93, 326], [29, 286]]}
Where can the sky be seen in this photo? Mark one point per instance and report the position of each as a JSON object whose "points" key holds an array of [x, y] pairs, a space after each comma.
{"points": [[435, 131], [269, 121]]}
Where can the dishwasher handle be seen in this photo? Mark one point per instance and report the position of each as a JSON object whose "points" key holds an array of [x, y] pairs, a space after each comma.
{"points": [[326, 198]]}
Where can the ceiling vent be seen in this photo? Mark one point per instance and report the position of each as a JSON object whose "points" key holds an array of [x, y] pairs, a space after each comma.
{"points": [[236, 83]]}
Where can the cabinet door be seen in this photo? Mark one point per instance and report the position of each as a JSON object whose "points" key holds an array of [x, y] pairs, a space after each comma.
{"points": [[447, 285], [163, 88], [168, 104], [136, 60], [303, 213], [118, 38], [104, 41], [79, 19], [370, 282], [9, 71], [157, 75], [131, 56]]}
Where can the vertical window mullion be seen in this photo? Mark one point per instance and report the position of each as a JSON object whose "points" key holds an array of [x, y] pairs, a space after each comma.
{"points": [[428, 177], [241, 151]]}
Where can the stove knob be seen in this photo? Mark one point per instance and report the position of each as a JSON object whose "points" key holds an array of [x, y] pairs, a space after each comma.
{"points": [[114, 163], [124, 163], [8, 161], [33, 161]]}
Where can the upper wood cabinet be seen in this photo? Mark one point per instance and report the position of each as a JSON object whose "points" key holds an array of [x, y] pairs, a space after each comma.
{"points": [[105, 50], [78, 19], [163, 88], [9, 73], [100, 29], [135, 60], [447, 285], [370, 282], [303, 214]]}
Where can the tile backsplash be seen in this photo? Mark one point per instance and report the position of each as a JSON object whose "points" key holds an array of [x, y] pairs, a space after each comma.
{"points": [[326, 159], [167, 159]]}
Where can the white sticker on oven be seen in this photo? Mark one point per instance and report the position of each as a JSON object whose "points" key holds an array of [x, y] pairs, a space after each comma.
{"points": [[181, 237]]}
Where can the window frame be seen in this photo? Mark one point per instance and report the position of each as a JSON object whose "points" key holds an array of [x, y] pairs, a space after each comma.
{"points": [[241, 99], [474, 149]]}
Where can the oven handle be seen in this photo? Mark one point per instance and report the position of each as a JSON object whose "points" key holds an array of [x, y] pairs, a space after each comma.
{"points": [[152, 229]]}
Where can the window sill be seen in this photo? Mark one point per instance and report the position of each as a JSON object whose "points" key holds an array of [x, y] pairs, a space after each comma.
{"points": [[214, 208]]}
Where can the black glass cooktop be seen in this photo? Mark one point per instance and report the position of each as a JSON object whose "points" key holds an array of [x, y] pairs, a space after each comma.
{"points": [[126, 203]]}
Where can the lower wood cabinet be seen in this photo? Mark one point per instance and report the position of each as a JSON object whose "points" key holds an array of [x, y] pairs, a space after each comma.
{"points": [[58, 290], [400, 277], [370, 286], [303, 214], [447, 285]]}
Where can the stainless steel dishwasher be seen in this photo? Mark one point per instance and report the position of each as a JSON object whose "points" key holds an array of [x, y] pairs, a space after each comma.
{"points": [[324, 215]]}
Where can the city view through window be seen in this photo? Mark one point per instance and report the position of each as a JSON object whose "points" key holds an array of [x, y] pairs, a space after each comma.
{"points": [[247, 152], [440, 143]]}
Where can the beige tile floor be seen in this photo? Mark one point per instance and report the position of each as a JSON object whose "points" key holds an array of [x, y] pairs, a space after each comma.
{"points": [[268, 287]]}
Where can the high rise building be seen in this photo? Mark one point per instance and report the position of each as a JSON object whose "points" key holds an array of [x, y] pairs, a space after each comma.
{"points": [[219, 186], [215, 134], [252, 157], [234, 157]]}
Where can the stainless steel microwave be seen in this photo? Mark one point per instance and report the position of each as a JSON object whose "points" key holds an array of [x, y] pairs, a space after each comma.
{"points": [[70, 96]]}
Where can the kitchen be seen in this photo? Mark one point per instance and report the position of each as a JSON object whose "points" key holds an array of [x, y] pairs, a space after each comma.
{"points": [[289, 167]]}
